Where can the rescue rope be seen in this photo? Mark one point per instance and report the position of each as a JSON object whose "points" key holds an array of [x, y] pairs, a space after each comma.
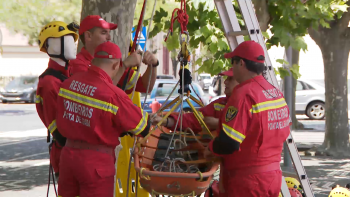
{"points": [[175, 165], [138, 68], [181, 17], [133, 91], [134, 42]]}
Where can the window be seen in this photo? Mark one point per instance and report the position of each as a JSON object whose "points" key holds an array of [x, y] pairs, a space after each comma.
{"points": [[23, 81], [309, 87], [205, 77], [299, 86], [164, 89]]}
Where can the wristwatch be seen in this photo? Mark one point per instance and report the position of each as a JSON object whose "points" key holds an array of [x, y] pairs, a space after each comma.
{"points": [[157, 64]]}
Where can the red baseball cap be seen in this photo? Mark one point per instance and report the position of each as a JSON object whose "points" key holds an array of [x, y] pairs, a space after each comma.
{"points": [[228, 72], [92, 21], [112, 49], [249, 50]]}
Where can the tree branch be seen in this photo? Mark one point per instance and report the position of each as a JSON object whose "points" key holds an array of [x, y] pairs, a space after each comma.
{"points": [[315, 35], [262, 13], [344, 20]]}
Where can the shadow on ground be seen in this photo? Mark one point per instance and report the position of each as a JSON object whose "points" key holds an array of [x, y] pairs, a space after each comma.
{"points": [[325, 172], [16, 112], [24, 164], [23, 179]]}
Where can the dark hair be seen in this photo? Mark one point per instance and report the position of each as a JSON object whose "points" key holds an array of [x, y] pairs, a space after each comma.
{"points": [[82, 37], [252, 66]]}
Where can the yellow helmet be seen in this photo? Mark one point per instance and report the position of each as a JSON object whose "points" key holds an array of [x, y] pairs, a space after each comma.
{"points": [[56, 29], [339, 192], [292, 183]]}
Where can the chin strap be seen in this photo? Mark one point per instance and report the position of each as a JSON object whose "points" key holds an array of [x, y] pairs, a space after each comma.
{"points": [[61, 56]]}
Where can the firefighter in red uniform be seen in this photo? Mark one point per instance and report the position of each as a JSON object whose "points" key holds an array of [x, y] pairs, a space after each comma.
{"points": [[57, 39], [93, 113], [94, 31], [210, 113], [253, 127]]}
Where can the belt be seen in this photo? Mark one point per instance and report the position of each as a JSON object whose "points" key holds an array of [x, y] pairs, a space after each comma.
{"points": [[78, 144], [254, 169]]}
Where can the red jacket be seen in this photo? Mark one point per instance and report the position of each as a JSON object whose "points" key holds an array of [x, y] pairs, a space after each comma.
{"points": [[92, 109], [257, 118], [83, 62], [46, 96], [189, 120]]}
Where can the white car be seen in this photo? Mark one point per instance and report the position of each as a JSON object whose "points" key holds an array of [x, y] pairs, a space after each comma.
{"points": [[205, 80]]}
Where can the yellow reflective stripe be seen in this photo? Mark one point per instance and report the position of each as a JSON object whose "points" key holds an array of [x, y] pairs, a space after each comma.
{"points": [[218, 106], [268, 105], [109, 107], [38, 99], [52, 127], [132, 81], [233, 133], [142, 124]]}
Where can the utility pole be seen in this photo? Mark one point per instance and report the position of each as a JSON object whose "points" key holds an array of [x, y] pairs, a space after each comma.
{"points": [[288, 95]]}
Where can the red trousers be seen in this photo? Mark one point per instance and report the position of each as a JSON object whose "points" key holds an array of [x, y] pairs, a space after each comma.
{"points": [[266, 184], [55, 155], [86, 173]]}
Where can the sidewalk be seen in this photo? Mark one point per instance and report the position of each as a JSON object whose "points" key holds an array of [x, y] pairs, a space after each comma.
{"points": [[306, 139], [323, 171]]}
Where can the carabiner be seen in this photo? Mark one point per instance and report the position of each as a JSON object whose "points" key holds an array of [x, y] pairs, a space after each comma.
{"points": [[181, 39]]}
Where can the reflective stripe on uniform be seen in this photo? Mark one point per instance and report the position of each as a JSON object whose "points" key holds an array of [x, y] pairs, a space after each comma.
{"points": [[142, 124], [132, 81], [218, 106], [38, 99], [92, 102], [233, 133], [52, 127], [268, 105]]}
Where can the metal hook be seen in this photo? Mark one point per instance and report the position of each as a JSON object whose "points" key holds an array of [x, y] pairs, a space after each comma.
{"points": [[181, 39]]}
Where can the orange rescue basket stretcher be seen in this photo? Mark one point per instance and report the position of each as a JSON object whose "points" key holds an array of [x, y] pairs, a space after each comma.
{"points": [[174, 183]]}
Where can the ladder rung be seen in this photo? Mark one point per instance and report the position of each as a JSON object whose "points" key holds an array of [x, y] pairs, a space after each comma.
{"points": [[238, 33]]}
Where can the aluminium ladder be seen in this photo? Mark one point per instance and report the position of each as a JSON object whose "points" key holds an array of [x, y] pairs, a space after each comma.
{"points": [[235, 36]]}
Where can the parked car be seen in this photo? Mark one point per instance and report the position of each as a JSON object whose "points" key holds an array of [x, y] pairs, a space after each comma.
{"points": [[162, 89], [165, 77], [216, 97], [310, 98], [21, 88], [205, 80]]}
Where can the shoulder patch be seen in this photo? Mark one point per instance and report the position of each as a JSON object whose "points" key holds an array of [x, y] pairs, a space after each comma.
{"points": [[230, 113]]}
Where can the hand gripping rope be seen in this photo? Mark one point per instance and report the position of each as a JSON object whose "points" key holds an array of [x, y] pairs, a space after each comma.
{"points": [[137, 74]]}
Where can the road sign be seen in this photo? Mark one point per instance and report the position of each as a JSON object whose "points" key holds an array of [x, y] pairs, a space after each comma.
{"points": [[142, 37]]}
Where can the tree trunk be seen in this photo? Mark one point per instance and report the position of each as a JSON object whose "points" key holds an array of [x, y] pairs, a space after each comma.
{"points": [[262, 13], [295, 60], [117, 11], [335, 58], [335, 45]]}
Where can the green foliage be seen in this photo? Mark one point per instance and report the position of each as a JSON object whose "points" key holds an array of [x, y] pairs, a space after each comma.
{"points": [[165, 7], [289, 23], [291, 19], [283, 72], [29, 16], [204, 28]]}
